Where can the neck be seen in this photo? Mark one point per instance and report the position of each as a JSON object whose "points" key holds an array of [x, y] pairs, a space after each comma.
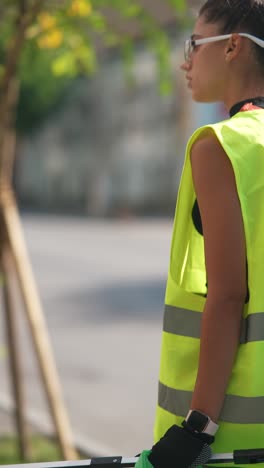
{"points": [[242, 90]]}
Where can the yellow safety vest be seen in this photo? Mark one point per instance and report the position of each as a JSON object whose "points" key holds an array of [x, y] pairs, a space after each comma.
{"points": [[241, 423]]}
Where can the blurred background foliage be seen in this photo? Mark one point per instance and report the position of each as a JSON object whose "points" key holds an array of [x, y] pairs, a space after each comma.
{"points": [[65, 39]]}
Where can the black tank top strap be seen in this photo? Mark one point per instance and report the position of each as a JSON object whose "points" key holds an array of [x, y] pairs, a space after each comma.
{"points": [[247, 104]]}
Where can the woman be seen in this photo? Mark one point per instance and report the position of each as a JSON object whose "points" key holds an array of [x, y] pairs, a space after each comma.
{"points": [[213, 337]]}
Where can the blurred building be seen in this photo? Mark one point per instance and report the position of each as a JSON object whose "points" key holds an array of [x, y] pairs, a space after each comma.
{"points": [[113, 149]]}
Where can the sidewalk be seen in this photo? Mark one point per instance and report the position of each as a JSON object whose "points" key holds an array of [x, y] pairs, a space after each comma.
{"points": [[7, 424], [103, 308], [35, 426]]}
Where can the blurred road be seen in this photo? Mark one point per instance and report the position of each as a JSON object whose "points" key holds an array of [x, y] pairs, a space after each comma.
{"points": [[102, 287]]}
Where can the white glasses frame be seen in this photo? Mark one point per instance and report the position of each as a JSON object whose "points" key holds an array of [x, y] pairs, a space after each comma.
{"points": [[191, 43]]}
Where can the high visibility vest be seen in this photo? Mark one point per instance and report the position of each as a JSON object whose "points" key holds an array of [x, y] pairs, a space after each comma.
{"points": [[241, 422]]}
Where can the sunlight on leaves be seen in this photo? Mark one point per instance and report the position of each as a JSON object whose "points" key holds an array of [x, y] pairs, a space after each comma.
{"points": [[82, 60], [46, 21], [52, 40], [80, 8]]}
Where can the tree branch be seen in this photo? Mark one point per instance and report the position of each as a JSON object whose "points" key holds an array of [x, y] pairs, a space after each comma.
{"points": [[23, 6], [15, 48], [24, 20]]}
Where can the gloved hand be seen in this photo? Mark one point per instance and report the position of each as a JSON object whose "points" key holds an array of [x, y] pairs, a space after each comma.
{"points": [[181, 447]]}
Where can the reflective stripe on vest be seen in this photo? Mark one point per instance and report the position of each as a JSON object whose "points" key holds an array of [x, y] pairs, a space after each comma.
{"points": [[185, 322], [236, 409]]}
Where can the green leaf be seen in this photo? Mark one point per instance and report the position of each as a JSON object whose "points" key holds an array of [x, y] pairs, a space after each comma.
{"points": [[41, 92], [126, 8], [179, 5], [132, 10], [98, 23], [73, 63], [86, 59], [166, 87], [111, 39], [64, 65], [128, 55]]}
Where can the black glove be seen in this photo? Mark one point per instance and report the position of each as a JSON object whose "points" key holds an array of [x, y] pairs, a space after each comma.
{"points": [[181, 447]]}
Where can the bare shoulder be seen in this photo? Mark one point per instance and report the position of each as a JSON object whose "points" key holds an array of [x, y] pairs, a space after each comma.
{"points": [[206, 141], [209, 160]]}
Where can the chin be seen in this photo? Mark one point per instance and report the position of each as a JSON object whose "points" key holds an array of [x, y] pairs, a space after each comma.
{"points": [[203, 97], [203, 94]]}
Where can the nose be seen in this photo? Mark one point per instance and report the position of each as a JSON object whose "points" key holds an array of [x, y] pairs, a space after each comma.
{"points": [[186, 66]]}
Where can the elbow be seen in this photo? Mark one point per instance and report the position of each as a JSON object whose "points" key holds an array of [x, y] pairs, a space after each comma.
{"points": [[228, 298], [229, 289]]}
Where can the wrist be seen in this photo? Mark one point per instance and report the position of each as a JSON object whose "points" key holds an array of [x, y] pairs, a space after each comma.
{"points": [[198, 422]]}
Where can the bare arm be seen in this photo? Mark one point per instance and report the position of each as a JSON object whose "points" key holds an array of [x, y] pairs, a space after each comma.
{"points": [[225, 256]]}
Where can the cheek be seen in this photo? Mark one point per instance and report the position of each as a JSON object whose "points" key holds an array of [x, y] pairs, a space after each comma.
{"points": [[208, 67], [207, 83], [209, 59]]}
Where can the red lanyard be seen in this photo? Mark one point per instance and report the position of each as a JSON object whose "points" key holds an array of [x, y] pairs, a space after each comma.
{"points": [[249, 106]]}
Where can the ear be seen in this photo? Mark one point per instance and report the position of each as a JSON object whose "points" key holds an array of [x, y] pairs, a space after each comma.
{"points": [[233, 47]]}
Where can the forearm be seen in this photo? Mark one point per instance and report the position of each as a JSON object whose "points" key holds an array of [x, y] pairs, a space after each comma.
{"points": [[220, 333]]}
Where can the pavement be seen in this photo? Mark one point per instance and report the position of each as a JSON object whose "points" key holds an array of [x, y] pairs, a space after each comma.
{"points": [[6, 423], [101, 285]]}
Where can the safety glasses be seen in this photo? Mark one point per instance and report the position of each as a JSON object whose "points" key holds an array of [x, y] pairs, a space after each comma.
{"points": [[191, 43]]}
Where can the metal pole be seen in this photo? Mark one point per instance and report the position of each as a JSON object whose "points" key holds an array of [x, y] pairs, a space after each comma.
{"points": [[239, 457], [108, 462]]}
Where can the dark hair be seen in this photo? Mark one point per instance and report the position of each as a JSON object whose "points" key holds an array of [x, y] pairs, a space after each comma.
{"points": [[237, 16]]}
